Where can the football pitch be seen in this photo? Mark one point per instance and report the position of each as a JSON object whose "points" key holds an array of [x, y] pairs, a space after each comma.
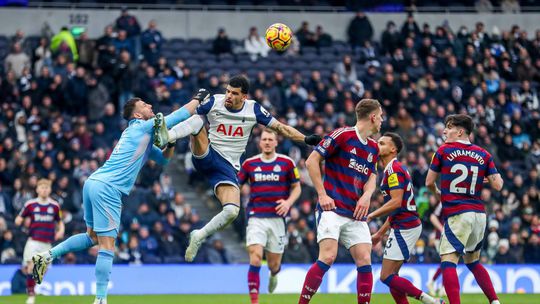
{"points": [[264, 299]]}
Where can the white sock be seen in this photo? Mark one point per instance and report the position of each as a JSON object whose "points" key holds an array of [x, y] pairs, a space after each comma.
{"points": [[427, 299], [189, 126], [221, 220]]}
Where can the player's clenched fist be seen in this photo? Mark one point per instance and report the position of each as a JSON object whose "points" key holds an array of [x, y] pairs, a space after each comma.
{"points": [[327, 203], [202, 95]]}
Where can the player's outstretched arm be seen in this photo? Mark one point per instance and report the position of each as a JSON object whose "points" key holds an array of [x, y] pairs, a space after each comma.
{"points": [[187, 110], [294, 134], [431, 184], [313, 164]]}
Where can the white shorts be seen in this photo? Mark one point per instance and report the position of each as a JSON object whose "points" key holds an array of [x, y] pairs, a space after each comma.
{"points": [[32, 248], [347, 231], [401, 242], [463, 233], [268, 232]]}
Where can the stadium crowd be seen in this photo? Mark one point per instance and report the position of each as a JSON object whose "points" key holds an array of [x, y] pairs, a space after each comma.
{"points": [[60, 119]]}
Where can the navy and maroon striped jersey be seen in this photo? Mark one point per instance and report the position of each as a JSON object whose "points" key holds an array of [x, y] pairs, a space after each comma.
{"points": [[396, 177], [43, 218], [350, 161], [270, 181], [462, 167]]}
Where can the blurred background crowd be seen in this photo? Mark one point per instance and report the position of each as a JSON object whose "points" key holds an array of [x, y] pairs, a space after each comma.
{"points": [[60, 96]]}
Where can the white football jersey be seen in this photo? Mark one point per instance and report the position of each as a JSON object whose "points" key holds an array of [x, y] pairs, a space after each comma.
{"points": [[230, 130]]}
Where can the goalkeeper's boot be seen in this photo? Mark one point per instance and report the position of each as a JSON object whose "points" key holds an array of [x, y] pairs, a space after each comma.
{"points": [[161, 134], [272, 283], [195, 242], [41, 263]]}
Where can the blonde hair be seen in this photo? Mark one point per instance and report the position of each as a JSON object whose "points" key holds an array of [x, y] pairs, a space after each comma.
{"points": [[44, 181]]}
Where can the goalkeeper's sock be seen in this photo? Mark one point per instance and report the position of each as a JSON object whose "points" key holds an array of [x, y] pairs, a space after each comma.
{"points": [[189, 126], [313, 280], [364, 283], [399, 297], [103, 272], [450, 282], [396, 282], [253, 283], [76, 242], [484, 281], [221, 220]]}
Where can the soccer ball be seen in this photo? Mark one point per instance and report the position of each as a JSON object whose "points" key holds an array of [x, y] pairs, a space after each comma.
{"points": [[278, 36]]}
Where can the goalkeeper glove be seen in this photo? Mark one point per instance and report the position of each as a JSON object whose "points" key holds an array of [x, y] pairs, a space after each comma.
{"points": [[202, 96], [312, 139]]}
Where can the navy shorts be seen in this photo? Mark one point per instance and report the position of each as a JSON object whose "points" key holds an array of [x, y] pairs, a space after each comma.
{"points": [[216, 169]]}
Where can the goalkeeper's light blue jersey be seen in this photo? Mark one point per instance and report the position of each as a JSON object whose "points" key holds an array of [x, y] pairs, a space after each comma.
{"points": [[134, 147]]}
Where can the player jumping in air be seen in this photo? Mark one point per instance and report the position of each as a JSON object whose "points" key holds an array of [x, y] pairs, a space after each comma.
{"points": [[406, 227], [44, 214], [217, 155], [462, 167], [103, 190], [350, 179], [274, 187]]}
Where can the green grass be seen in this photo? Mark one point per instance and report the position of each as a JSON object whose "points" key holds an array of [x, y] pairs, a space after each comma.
{"points": [[240, 299]]}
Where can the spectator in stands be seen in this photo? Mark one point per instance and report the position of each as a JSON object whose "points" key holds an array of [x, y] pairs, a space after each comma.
{"points": [[217, 254], [42, 56], [17, 60], [87, 53], [222, 44], [63, 43], [321, 38], [123, 43], [359, 30], [130, 24], [151, 41], [124, 75], [346, 70], [255, 45], [484, 6], [304, 35], [410, 27], [390, 39], [510, 6]]}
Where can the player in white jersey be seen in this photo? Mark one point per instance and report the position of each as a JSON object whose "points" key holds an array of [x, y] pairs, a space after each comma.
{"points": [[217, 154]]}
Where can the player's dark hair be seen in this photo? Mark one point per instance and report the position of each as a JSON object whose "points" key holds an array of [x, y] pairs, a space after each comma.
{"points": [[460, 120], [129, 107], [396, 139], [366, 107], [241, 82]]}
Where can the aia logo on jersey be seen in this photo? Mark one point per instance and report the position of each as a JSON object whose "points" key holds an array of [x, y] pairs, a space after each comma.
{"points": [[230, 130]]}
